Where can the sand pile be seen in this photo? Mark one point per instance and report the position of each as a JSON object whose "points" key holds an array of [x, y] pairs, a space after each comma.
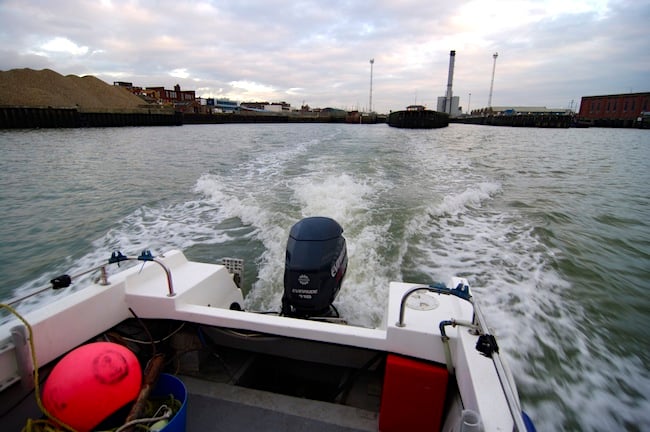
{"points": [[46, 88]]}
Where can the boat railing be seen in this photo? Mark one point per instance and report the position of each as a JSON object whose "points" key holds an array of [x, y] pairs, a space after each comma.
{"points": [[486, 345], [65, 280], [461, 291], [505, 378], [235, 266], [146, 256]]}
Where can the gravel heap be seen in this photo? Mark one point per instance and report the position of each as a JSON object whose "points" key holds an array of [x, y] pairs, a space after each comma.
{"points": [[46, 88]]}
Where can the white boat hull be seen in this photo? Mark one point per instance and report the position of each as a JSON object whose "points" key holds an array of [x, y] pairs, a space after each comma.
{"points": [[203, 295]]}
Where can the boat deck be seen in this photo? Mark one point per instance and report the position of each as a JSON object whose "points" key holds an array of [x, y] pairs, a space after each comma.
{"points": [[224, 407], [234, 389]]}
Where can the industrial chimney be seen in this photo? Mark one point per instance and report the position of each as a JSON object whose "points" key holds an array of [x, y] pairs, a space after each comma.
{"points": [[450, 79]]}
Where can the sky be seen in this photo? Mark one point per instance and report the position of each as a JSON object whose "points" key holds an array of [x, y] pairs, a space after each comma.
{"points": [[550, 52]]}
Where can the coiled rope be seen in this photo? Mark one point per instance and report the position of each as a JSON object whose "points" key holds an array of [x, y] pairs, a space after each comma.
{"points": [[165, 411]]}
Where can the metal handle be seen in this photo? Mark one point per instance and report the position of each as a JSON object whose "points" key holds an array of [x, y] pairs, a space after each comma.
{"points": [[400, 323]]}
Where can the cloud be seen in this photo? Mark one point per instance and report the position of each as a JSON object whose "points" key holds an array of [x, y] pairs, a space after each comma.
{"points": [[248, 89], [180, 73], [64, 46], [550, 51]]}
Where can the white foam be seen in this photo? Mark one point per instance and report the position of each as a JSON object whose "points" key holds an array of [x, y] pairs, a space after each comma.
{"points": [[543, 331], [346, 200], [247, 208]]}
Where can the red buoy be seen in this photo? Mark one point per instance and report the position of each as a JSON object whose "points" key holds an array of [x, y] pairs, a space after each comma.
{"points": [[92, 382]]}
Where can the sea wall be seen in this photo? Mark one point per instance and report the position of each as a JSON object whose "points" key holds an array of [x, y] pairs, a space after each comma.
{"points": [[221, 118], [260, 117], [30, 118], [642, 122], [520, 120]]}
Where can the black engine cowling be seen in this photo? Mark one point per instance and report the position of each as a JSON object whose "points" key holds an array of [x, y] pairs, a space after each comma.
{"points": [[315, 264]]}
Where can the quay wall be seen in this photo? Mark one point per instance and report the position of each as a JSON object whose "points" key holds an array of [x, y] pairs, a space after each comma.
{"points": [[642, 122], [523, 120], [258, 117], [30, 118], [222, 118], [37, 117]]}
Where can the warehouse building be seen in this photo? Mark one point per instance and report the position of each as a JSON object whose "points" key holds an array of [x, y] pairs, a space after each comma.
{"points": [[618, 110]]}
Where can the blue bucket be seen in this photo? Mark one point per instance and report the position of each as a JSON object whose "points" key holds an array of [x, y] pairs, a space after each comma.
{"points": [[169, 384]]}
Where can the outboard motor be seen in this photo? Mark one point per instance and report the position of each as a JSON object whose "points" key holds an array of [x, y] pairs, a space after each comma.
{"points": [[315, 264]]}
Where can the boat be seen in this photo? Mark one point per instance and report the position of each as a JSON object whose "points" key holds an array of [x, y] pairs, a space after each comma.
{"points": [[418, 117], [86, 358]]}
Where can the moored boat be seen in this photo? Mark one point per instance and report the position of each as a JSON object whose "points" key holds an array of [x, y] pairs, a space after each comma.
{"points": [[431, 364], [418, 117]]}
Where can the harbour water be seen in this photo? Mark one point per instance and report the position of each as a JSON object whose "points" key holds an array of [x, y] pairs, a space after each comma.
{"points": [[550, 226]]}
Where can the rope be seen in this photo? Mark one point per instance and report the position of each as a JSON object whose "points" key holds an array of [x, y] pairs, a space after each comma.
{"points": [[37, 425], [167, 413]]}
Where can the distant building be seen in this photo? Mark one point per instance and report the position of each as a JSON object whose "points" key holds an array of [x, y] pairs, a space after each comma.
{"points": [[276, 107], [520, 110], [182, 100], [254, 105], [618, 110], [213, 105], [334, 113], [122, 84], [455, 109]]}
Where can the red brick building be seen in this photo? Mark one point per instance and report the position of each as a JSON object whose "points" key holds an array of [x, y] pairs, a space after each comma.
{"points": [[620, 110], [182, 100]]}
